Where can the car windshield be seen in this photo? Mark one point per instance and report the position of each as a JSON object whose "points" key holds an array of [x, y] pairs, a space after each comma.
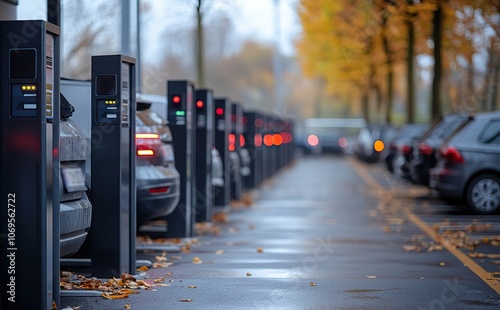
{"points": [[457, 129], [447, 129], [412, 131]]}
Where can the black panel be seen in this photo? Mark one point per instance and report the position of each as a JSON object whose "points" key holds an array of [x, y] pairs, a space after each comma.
{"points": [[106, 85], [22, 63]]}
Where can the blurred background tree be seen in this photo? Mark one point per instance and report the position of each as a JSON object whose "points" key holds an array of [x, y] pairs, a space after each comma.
{"points": [[448, 50]]}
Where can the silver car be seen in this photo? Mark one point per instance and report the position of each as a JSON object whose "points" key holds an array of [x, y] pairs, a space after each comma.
{"points": [[468, 164]]}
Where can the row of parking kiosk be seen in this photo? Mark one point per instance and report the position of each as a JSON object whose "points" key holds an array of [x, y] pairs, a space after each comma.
{"points": [[30, 161], [199, 123]]}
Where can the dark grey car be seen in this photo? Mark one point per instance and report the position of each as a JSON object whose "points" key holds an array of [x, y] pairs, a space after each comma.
{"points": [[468, 165]]}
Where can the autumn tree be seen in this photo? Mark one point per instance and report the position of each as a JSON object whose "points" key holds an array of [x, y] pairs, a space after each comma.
{"points": [[368, 37], [86, 37]]}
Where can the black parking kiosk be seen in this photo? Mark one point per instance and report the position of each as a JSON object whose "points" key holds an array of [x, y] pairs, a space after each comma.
{"points": [[235, 148], [253, 144], [113, 147], [29, 212], [222, 129], [180, 96], [204, 114]]}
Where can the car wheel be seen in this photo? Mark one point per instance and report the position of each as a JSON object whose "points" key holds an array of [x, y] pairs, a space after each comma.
{"points": [[483, 194]]}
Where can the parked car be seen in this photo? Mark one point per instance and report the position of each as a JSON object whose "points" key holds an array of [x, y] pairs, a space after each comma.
{"points": [[372, 141], [157, 179], [468, 165], [424, 149], [217, 170], [401, 147], [75, 207]]}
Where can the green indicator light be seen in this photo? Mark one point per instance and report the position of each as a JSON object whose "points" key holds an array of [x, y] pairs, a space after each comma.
{"points": [[180, 113]]}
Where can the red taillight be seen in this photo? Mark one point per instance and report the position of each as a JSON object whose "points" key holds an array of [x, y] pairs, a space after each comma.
{"points": [[343, 142], [143, 150], [451, 155], [425, 149], [145, 143], [313, 140], [405, 149], [159, 190]]}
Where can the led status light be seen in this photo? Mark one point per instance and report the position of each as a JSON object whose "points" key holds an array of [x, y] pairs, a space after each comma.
{"points": [[28, 87], [219, 111], [199, 104], [180, 113], [176, 99]]}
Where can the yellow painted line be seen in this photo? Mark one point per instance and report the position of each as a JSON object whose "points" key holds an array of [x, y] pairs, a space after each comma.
{"points": [[467, 261]]}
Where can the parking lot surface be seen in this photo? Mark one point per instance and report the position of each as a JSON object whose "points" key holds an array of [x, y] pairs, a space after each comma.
{"points": [[328, 233]]}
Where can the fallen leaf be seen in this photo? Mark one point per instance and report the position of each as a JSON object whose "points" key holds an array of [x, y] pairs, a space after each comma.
{"points": [[410, 248], [169, 274], [442, 264], [249, 274], [127, 306], [161, 259], [143, 268], [113, 295], [192, 286], [371, 277], [186, 300], [197, 260], [218, 252], [162, 264], [260, 250], [159, 280], [312, 284], [175, 257]]}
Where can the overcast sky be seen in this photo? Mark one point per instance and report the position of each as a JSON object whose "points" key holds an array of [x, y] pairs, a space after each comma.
{"points": [[251, 18]]}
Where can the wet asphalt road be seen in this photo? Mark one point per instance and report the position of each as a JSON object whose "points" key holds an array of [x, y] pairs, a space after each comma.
{"points": [[330, 239]]}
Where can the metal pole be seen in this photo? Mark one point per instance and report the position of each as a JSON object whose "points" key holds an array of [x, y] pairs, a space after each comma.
{"points": [[125, 35], [138, 66]]}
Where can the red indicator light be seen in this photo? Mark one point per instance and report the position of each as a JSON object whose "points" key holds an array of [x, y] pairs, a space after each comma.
{"points": [[277, 139], [259, 123], [244, 120], [199, 104], [257, 140], [232, 138], [287, 137], [242, 141], [219, 111], [231, 147], [268, 140], [176, 99]]}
